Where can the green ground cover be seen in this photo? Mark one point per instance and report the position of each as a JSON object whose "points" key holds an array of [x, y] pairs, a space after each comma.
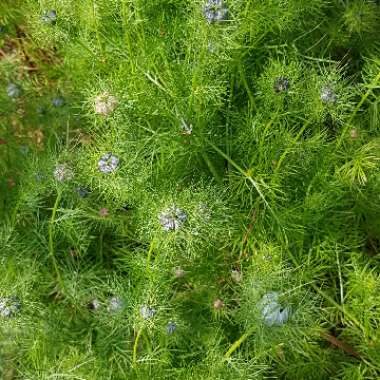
{"points": [[189, 189]]}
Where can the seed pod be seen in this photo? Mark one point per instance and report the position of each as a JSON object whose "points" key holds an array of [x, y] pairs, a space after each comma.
{"points": [[218, 304], [281, 84], [273, 314], [215, 11], [13, 90], [105, 104], [108, 163], [172, 218], [104, 212], [49, 17], [354, 134], [147, 312], [179, 272], [236, 275], [63, 173]]}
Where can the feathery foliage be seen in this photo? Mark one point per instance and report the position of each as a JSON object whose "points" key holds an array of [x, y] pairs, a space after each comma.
{"points": [[189, 189]]}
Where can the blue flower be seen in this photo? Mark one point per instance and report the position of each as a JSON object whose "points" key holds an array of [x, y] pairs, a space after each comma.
{"points": [[147, 312], [82, 191], [63, 173], [328, 95], [171, 327], [273, 314], [281, 84], [41, 111], [49, 17], [13, 90], [24, 149], [215, 11], [108, 163], [9, 306], [94, 304], [40, 176], [172, 218], [58, 101], [115, 304]]}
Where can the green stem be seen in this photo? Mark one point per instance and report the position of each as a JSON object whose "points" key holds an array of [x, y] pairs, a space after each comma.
{"points": [[51, 238], [362, 100], [340, 308], [248, 177], [101, 237], [328, 298], [149, 258], [238, 343], [135, 347], [286, 152], [211, 167], [246, 86]]}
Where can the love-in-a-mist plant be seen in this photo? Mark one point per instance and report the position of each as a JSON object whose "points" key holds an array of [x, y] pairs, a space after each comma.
{"points": [[189, 189]]}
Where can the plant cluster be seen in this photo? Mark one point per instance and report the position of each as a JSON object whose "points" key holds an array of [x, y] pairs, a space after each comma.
{"points": [[189, 189]]}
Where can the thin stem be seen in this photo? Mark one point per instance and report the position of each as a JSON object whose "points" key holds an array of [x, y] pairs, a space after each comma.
{"points": [[285, 153], [149, 258], [211, 167], [362, 100], [135, 347], [51, 237], [238, 343], [248, 177]]}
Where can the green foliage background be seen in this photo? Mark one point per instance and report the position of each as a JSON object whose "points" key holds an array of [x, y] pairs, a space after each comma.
{"points": [[280, 186]]}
